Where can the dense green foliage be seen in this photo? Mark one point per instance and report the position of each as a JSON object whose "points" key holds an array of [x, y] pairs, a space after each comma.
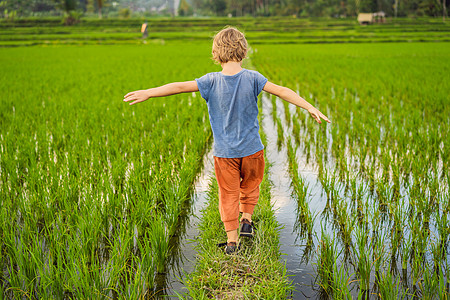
{"points": [[318, 8], [308, 8]]}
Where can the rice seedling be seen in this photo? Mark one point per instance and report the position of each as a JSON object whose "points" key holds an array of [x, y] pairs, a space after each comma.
{"points": [[159, 239], [305, 218], [406, 252], [362, 259], [390, 288], [327, 257], [443, 290], [378, 251], [280, 133], [429, 284], [341, 282]]}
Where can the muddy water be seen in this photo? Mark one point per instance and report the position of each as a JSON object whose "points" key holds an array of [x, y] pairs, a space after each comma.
{"points": [[301, 272], [184, 262]]}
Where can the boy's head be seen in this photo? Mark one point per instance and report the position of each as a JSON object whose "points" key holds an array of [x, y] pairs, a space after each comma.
{"points": [[229, 45]]}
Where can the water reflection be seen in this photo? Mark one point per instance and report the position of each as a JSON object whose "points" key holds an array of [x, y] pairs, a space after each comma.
{"points": [[300, 270], [183, 256]]}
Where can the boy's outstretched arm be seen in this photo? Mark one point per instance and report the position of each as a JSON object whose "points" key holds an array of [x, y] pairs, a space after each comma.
{"points": [[161, 91], [292, 97]]}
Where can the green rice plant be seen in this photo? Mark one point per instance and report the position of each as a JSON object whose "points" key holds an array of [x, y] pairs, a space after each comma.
{"points": [[135, 279], [362, 258], [443, 291], [362, 212], [417, 265], [305, 218], [429, 284], [287, 113], [343, 222], [406, 251], [341, 282], [86, 280], [329, 183], [159, 240], [296, 131], [274, 109], [384, 194], [438, 255], [308, 249], [378, 244], [115, 270], [390, 288], [398, 216], [327, 257], [443, 226], [280, 132]]}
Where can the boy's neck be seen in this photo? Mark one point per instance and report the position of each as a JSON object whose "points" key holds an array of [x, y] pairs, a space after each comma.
{"points": [[231, 67]]}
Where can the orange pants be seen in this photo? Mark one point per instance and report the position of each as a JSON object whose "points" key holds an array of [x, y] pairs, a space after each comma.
{"points": [[239, 180]]}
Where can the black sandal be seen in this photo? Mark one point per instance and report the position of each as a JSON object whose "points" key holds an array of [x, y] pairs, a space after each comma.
{"points": [[230, 247], [247, 228]]}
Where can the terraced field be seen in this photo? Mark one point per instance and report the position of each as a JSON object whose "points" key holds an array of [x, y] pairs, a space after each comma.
{"points": [[26, 32]]}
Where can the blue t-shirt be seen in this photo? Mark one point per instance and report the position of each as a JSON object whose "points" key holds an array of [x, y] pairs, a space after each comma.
{"points": [[233, 111]]}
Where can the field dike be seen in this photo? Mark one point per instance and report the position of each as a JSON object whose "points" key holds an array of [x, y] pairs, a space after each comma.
{"points": [[255, 271]]}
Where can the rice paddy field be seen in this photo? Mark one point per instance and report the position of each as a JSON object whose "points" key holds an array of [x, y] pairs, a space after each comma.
{"points": [[96, 195]]}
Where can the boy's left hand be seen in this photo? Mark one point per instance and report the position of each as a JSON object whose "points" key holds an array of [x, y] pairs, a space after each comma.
{"points": [[316, 114], [136, 96]]}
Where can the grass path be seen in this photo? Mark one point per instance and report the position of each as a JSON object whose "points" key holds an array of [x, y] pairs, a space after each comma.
{"points": [[255, 271]]}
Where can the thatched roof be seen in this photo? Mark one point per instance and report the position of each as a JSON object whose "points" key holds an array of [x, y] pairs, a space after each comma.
{"points": [[365, 18]]}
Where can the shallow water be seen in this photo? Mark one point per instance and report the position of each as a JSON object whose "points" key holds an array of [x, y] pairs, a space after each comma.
{"points": [[301, 273], [184, 263]]}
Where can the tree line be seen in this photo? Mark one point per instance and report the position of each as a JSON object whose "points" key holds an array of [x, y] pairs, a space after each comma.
{"points": [[321, 8], [297, 8]]}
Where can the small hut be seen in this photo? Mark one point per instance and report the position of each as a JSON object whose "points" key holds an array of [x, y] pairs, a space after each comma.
{"points": [[365, 18]]}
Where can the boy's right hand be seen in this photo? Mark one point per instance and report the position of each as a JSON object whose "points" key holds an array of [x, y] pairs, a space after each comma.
{"points": [[136, 96]]}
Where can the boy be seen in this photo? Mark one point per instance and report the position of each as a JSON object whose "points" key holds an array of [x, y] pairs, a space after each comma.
{"points": [[231, 96]]}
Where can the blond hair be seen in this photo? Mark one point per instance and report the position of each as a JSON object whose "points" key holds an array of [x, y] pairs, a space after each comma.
{"points": [[229, 44]]}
